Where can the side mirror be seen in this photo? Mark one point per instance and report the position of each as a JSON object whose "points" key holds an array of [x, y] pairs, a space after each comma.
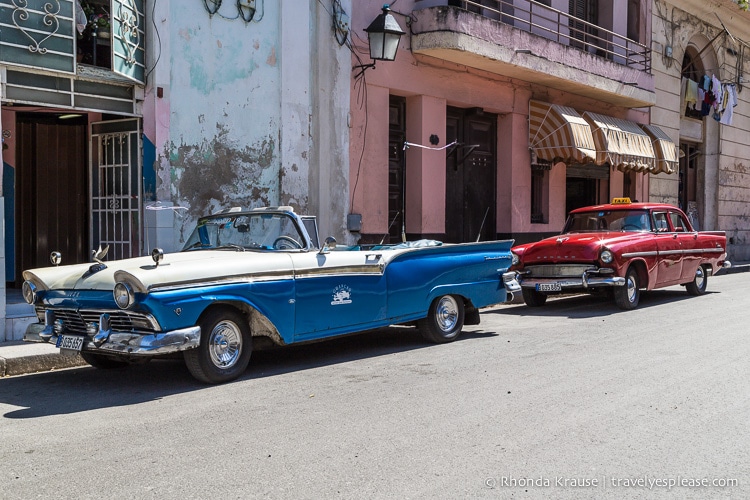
{"points": [[55, 258], [329, 245]]}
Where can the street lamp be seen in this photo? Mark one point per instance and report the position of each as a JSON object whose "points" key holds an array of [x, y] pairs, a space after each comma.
{"points": [[383, 34]]}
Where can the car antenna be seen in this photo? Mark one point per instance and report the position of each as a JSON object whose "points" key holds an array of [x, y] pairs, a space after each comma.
{"points": [[390, 226], [479, 234]]}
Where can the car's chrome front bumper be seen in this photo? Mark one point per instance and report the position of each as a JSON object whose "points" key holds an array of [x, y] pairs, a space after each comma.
{"points": [[589, 279], [109, 342]]}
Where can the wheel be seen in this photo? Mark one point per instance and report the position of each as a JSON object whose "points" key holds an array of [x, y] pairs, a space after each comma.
{"points": [[103, 362], [533, 298], [699, 283], [628, 295], [285, 243], [225, 348], [444, 320]]}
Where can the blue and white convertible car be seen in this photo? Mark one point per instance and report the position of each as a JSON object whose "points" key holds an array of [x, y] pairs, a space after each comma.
{"points": [[259, 276]]}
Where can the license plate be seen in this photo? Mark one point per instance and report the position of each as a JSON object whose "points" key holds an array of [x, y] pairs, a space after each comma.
{"points": [[548, 287], [70, 342]]}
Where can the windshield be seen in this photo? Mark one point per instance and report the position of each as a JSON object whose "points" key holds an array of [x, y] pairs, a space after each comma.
{"points": [[262, 231], [608, 220]]}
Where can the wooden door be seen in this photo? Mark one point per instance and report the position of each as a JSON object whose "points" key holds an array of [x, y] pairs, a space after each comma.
{"points": [[51, 191], [470, 183], [396, 164]]}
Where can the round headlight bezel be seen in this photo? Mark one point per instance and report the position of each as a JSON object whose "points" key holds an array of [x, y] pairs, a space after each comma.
{"points": [[606, 256], [123, 295], [514, 259], [28, 289]]}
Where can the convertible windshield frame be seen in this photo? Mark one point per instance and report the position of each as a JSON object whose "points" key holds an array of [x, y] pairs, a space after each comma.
{"points": [[252, 231]]}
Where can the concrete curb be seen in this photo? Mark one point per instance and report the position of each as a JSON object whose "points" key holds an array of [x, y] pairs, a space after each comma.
{"points": [[22, 358]]}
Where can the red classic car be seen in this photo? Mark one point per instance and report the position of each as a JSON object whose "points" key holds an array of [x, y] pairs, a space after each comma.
{"points": [[620, 249]]}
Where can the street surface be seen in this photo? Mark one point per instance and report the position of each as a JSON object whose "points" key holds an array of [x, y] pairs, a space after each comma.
{"points": [[573, 400]]}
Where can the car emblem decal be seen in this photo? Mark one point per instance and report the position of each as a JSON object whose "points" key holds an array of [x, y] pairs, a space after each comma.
{"points": [[342, 294]]}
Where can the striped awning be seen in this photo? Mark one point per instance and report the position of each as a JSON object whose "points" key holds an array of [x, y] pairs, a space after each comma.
{"points": [[666, 151], [621, 143], [559, 133]]}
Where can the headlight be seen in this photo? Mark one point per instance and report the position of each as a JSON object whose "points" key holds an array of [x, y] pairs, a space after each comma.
{"points": [[606, 256], [29, 292], [123, 295], [515, 259]]}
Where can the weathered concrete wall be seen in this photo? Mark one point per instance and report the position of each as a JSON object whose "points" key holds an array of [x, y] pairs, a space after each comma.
{"points": [[724, 164], [235, 111]]}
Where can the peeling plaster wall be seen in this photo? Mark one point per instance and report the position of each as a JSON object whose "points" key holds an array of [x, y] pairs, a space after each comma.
{"points": [[724, 166], [234, 125], [225, 102]]}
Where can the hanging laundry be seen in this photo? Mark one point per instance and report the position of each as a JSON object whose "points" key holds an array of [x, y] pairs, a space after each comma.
{"points": [[706, 83], [691, 92], [730, 101], [717, 91]]}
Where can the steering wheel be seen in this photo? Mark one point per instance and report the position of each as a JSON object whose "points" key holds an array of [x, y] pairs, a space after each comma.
{"points": [[631, 226], [284, 242]]}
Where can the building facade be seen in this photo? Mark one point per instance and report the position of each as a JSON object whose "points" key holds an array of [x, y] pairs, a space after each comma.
{"points": [[515, 112], [125, 120], [695, 43]]}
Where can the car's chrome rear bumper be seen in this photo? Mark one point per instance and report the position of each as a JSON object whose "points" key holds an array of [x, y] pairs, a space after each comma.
{"points": [[108, 342], [511, 284]]}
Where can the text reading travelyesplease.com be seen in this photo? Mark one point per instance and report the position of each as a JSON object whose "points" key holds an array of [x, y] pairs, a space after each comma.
{"points": [[638, 482]]}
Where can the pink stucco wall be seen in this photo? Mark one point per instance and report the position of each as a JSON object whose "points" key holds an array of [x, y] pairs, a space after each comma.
{"points": [[430, 85]]}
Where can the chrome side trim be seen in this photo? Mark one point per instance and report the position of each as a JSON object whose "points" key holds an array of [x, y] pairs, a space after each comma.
{"points": [[227, 280], [353, 270], [630, 255]]}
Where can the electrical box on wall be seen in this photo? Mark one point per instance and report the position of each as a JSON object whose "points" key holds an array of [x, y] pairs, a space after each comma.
{"points": [[354, 222]]}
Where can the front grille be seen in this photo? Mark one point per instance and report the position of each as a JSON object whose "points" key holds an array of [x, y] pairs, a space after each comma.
{"points": [[558, 270], [75, 321]]}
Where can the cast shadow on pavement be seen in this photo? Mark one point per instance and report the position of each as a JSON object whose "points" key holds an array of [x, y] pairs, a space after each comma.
{"points": [[581, 306], [82, 389]]}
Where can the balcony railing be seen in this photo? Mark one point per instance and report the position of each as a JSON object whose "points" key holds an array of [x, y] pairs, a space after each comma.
{"points": [[553, 24]]}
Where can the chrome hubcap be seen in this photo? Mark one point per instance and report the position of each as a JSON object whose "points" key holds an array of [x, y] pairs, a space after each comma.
{"points": [[225, 344], [631, 289], [446, 313], [700, 277]]}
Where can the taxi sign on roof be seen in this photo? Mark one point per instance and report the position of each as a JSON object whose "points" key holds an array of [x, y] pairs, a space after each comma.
{"points": [[620, 201]]}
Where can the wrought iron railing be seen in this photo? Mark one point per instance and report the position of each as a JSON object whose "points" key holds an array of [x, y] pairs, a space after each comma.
{"points": [[539, 19]]}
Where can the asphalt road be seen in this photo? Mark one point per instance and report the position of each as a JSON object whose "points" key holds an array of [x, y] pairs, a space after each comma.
{"points": [[573, 400]]}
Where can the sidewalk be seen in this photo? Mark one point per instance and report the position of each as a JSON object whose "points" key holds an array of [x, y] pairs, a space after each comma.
{"points": [[18, 358]]}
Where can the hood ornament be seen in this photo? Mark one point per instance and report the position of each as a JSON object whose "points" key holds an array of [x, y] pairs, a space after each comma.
{"points": [[560, 240], [99, 254]]}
